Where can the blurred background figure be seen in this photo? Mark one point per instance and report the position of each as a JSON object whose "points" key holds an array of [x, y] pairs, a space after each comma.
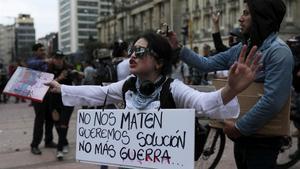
{"points": [[294, 44], [234, 38], [3, 81], [180, 71], [13, 68], [61, 114], [89, 73], [196, 75], [42, 114], [120, 54], [206, 53]]}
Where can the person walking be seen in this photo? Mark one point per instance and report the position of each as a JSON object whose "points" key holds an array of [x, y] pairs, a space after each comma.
{"points": [[259, 24], [61, 114], [42, 114]]}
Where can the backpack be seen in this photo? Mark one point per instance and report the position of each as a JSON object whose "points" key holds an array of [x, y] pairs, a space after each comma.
{"points": [[106, 72], [167, 102]]}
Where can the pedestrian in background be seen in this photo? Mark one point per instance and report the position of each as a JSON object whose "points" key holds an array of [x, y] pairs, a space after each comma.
{"points": [[234, 35], [61, 114], [294, 44], [42, 114], [89, 73], [260, 24], [196, 74], [120, 51]]}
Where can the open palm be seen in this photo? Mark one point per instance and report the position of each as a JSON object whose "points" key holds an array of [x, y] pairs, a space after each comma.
{"points": [[242, 73]]}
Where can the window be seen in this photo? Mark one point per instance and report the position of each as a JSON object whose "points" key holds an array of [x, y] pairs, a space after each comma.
{"points": [[87, 11], [85, 3], [87, 33], [87, 18], [85, 25]]}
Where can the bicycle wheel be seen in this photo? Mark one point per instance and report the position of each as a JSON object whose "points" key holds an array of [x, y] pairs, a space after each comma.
{"points": [[285, 158], [213, 149]]}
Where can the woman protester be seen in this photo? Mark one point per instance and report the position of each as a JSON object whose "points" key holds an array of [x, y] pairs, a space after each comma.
{"points": [[150, 87]]}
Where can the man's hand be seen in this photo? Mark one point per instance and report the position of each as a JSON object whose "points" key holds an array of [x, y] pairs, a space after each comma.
{"points": [[230, 130], [241, 74], [172, 38], [215, 16]]}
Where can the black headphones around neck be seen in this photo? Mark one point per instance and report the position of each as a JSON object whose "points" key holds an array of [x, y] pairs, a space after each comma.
{"points": [[147, 87]]}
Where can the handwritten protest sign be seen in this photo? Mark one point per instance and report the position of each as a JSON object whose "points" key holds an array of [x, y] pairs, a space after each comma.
{"points": [[137, 139]]}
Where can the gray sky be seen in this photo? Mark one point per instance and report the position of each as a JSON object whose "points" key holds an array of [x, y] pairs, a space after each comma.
{"points": [[44, 13]]}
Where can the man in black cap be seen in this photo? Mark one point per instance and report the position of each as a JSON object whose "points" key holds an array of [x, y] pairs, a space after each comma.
{"points": [[259, 23]]}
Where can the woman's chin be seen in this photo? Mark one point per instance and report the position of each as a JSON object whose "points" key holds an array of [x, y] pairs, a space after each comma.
{"points": [[132, 71]]}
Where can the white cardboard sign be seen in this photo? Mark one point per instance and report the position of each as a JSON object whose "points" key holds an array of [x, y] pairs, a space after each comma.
{"points": [[136, 139]]}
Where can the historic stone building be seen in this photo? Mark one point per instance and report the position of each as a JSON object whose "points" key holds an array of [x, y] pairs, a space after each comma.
{"points": [[135, 16]]}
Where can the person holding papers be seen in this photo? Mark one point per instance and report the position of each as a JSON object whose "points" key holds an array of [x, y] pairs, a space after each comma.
{"points": [[39, 62]]}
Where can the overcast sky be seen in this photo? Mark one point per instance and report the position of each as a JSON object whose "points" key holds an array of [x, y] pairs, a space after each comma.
{"points": [[44, 13]]}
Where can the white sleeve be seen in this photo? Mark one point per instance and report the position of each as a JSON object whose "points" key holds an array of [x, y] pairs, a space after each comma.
{"points": [[91, 95], [208, 104]]}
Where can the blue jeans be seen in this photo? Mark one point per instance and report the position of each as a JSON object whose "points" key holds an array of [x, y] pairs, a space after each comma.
{"points": [[256, 153]]}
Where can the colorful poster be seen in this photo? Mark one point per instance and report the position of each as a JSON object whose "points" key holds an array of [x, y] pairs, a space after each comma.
{"points": [[29, 84]]}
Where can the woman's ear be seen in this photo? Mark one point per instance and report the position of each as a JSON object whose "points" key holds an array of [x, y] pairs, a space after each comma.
{"points": [[159, 64]]}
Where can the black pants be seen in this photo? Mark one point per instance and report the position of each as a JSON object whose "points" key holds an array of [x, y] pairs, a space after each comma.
{"points": [[63, 118], [256, 153], [42, 115]]}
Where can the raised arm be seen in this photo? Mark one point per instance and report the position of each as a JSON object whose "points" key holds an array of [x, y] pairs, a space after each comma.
{"points": [[241, 74]]}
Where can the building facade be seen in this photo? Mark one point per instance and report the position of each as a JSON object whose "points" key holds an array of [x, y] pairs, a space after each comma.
{"points": [[50, 42], [77, 22], [132, 17], [24, 36], [7, 44]]}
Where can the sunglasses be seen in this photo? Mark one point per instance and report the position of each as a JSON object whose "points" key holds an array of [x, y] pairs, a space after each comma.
{"points": [[140, 52]]}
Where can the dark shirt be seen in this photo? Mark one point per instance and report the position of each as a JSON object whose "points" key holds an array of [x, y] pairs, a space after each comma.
{"points": [[37, 63]]}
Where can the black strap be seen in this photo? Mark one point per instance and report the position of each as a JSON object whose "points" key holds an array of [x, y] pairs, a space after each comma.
{"points": [[166, 97], [128, 85], [104, 104]]}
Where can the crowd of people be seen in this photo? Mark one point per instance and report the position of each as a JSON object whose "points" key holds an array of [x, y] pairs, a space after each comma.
{"points": [[155, 71]]}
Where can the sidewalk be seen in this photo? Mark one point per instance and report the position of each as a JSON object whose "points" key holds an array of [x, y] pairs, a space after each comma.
{"points": [[16, 124]]}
